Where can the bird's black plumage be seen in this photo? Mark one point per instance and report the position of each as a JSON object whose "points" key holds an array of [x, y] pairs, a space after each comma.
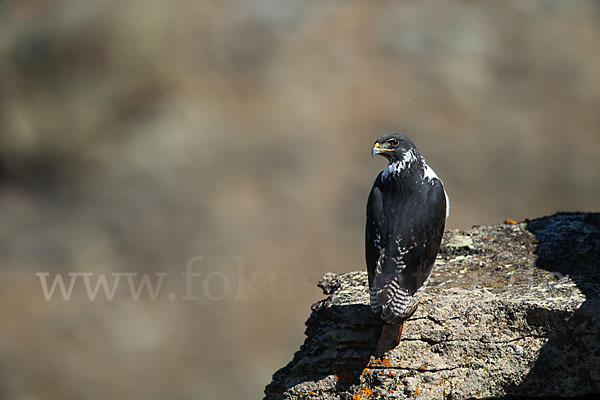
{"points": [[406, 214]]}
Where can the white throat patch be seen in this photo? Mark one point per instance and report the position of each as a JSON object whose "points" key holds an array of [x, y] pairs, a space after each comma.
{"points": [[396, 167]]}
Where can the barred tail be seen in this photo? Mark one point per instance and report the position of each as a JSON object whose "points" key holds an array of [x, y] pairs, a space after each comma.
{"points": [[389, 339]]}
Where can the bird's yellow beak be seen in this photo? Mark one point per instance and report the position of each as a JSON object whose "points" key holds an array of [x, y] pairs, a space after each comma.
{"points": [[377, 149]]}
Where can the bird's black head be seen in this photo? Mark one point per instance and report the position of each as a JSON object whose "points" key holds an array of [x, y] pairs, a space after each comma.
{"points": [[395, 146]]}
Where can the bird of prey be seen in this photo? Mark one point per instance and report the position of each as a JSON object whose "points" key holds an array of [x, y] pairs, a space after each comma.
{"points": [[406, 214]]}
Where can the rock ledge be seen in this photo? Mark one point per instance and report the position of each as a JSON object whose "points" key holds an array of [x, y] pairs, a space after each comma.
{"points": [[512, 310]]}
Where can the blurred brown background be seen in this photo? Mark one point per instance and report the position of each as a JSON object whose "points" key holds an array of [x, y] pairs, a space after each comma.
{"points": [[137, 135]]}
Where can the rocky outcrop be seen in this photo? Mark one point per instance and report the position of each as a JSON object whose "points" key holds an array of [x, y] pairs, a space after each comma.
{"points": [[511, 310]]}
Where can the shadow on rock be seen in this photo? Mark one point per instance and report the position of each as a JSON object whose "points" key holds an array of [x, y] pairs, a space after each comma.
{"points": [[339, 344], [568, 246]]}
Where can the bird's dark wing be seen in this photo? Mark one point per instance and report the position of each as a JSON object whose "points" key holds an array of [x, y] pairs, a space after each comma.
{"points": [[374, 226], [411, 229]]}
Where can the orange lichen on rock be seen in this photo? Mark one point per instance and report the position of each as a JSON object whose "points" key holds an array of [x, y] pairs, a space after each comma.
{"points": [[380, 362], [366, 392]]}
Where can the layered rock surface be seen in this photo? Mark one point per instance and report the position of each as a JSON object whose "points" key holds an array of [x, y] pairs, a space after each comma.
{"points": [[511, 310]]}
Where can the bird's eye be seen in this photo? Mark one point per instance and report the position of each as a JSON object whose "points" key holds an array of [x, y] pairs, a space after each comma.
{"points": [[393, 142]]}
